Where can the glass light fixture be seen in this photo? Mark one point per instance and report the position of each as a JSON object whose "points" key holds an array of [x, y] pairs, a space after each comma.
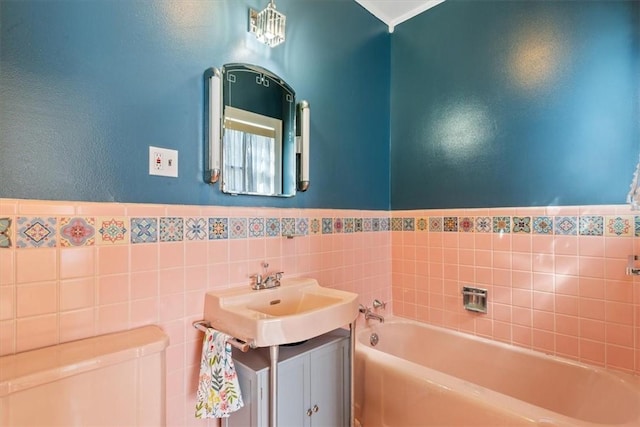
{"points": [[268, 25]]}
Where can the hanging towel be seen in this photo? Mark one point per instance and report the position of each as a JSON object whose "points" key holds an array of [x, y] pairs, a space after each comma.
{"points": [[218, 389]]}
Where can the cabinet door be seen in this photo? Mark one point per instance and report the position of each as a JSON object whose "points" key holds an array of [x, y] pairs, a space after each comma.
{"points": [[293, 392], [329, 383]]}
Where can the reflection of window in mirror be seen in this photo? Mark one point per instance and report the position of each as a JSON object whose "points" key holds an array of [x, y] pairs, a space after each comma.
{"points": [[252, 153]]}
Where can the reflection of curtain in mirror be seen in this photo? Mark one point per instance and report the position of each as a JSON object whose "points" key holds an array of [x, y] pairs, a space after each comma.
{"points": [[249, 162]]}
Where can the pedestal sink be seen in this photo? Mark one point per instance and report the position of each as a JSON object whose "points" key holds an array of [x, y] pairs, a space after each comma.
{"points": [[297, 310]]}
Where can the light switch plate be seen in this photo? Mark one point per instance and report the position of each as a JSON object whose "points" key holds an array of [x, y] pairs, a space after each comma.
{"points": [[163, 162]]}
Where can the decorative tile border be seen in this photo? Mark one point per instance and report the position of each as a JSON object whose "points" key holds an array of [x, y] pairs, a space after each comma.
{"points": [[69, 231]]}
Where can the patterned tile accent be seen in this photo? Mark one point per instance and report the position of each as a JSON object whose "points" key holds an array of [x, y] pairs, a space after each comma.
{"points": [[195, 229], [618, 226], [521, 224], [302, 226], [591, 226], [144, 230], [218, 228], [112, 230], [171, 229], [484, 224], [327, 225], [396, 224], [314, 226], [256, 227], [349, 225], [466, 224], [77, 231], [450, 223], [338, 225], [435, 224], [367, 224], [408, 224], [422, 224], [542, 225], [288, 226], [5, 233], [237, 228], [566, 225], [358, 225], [501, 224], [385, 224], [637, 225], [272, 227], [36, 232], [375, 224]]}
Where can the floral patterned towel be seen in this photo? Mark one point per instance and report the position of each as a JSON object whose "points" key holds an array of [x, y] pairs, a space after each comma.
{"points": [[218, 390]]}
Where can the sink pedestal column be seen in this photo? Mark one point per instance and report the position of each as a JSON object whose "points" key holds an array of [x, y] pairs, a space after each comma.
{"points": [[273, 386]]}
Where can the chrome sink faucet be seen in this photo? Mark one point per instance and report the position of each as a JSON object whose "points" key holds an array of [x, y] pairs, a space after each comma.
{"points": [[266, 280]]}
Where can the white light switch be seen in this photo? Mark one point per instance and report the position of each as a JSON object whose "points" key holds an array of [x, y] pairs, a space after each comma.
{"points": [[163, 162]]}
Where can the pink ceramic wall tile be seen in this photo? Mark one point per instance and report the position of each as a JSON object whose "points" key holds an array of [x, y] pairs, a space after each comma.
{"points": [[45, 207], [543, 341], [171, 281], [36, 265], [77, 262], [591, 267], [171, 307], [620, 357], [113, 259], [8, 207], [113, 289], [619, 291], [77, 324], [615, 269], [77, 293], [592, 352], [618, 247], [145, 211], [620, 335], [567, 325], [592, 308], [593, 330], [195, 253], [144, 284], [567, 346], [144, 312], [7, 302], [112, 318], [7, 267], [144, 257], [566, 265], [7, 337], [36, 332], [35, 299], [591, 246], [543, 301], [543, 320], [171, 254], [102, 209]]}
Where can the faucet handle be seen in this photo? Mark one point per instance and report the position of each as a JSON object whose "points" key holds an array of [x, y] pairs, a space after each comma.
{"points": [[377, 304], [363, 309], [257, 280]]}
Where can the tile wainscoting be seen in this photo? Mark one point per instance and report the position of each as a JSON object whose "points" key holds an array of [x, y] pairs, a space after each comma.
{"points": [[70, 270], [556, 277]]}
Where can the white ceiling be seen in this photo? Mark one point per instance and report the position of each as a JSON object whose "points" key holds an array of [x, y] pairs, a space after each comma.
{"points": [[394, 12]]}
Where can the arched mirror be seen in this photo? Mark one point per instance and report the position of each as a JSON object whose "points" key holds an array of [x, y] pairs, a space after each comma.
{"points": [[252, 132]]}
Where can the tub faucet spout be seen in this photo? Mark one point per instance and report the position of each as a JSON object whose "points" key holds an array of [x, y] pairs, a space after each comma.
{"points": [[368, 314]]}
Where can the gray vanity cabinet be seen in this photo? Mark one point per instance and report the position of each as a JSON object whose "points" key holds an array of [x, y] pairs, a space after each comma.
{"points": [[313, 384]]}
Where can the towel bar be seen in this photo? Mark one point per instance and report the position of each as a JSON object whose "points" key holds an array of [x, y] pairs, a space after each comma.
{"points": [[243, 346]]}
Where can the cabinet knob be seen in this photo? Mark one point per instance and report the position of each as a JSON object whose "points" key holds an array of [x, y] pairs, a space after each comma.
{"points": [[315, 408], [309, 413]]}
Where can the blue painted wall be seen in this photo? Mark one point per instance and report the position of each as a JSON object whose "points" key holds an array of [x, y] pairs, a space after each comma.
{"points": [[87, 86], [527, 103]]}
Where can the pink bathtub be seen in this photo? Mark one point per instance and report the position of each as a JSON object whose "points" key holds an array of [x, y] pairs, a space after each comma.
{"points": [[421, 375]]}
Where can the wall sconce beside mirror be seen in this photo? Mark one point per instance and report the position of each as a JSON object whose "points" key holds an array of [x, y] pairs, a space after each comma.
{"points": [[257, 137]]}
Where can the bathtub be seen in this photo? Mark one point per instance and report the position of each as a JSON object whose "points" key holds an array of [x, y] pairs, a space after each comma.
{"points": [[421, 375]]}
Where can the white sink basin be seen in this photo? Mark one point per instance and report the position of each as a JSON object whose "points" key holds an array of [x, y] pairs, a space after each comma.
{"points": [[297, 310]]}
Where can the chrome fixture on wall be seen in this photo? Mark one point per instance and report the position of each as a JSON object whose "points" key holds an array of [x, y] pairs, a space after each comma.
{"points": [[268, 25], [633, 198], [302, 145]]}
